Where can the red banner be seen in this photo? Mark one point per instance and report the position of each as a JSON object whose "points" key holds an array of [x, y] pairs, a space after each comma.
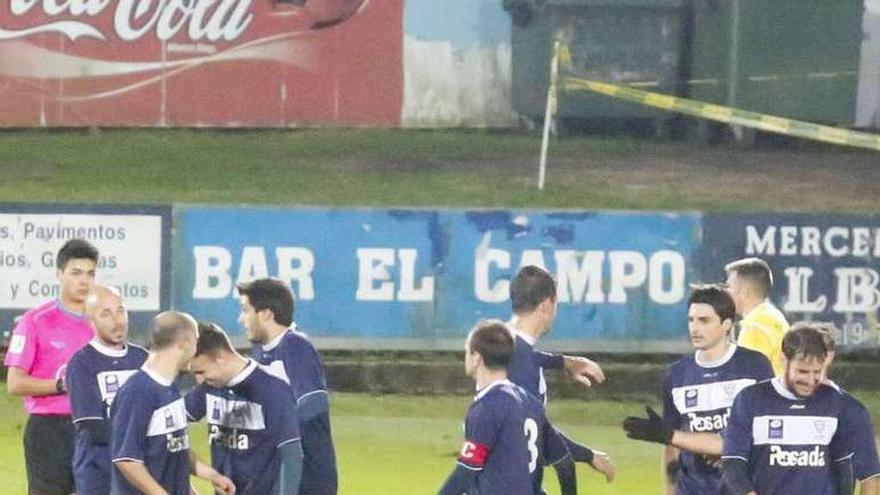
{"points": [[201, 62]]}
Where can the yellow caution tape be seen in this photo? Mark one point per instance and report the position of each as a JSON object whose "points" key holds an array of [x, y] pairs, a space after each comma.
{"points": [[729, 115]]}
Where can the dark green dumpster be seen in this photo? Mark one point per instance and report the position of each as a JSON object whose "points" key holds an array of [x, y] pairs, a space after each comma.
{"points": [[631, 42], [792, 58]]}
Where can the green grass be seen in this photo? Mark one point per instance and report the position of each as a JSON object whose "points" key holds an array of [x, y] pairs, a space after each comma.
{"points": [[389, 445], [370, 167]]}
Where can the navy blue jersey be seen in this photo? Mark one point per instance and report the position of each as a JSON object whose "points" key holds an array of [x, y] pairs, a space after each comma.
{"points": [[94, 375], [292, 357], [148, 425], [698, 396], [790, 443], [527, 366], [248, 420], [505, 435], [865, 462]]}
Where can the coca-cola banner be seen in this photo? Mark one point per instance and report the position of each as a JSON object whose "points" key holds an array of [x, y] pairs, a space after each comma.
{"points": [[200, 62]]}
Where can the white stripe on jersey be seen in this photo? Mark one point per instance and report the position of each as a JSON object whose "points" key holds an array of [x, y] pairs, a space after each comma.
{"points": [[276, 368], [240, 414], [793, 430], [110, 381], [708, 396], [168, 419]]}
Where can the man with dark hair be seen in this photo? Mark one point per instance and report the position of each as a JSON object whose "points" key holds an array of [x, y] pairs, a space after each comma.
{"points": [[149, 440], [507, 437], [42, 343], [94, 376], [251, 416], [698, 393], [533, 302], [791, 434], [267, 310], [763, 326], [866, 465]]}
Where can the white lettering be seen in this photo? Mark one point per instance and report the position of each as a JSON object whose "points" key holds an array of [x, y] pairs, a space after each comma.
{"points": [[628, 270], [253, 264], [799, 292], [791, 458], [296, 264], [212, 280], [857, 290], [861, 240], [373, 266], [828, 241], [658, 265], [756, 244], [579, 282], [499, 291], [810, 237], [408, 290]]}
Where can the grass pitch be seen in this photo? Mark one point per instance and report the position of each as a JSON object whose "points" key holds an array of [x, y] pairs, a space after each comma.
{"points": [[405, 445]]}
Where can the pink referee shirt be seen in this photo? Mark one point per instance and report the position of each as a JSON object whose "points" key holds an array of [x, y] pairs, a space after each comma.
{"points": [[42, 344]]}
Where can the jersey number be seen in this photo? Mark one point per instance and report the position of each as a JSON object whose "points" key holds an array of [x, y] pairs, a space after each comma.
{"points": [[530, 427]]}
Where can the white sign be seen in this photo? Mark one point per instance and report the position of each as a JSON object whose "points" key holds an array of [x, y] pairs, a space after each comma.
{"points": [[130, 247]]}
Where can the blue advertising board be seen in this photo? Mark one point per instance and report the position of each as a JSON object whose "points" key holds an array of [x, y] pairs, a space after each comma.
{"points": [[825, 267], [422, 278]]}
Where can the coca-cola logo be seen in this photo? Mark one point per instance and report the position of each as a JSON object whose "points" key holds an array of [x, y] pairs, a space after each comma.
{"points": [[198, 20]]}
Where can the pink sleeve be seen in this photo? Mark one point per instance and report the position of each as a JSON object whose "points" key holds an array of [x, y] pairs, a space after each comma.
{"points": [[22, 345]]}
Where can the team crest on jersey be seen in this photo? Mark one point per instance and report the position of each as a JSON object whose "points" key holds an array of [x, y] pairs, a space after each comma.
{"points": [[819, 426], [16, 345], [169, 419], [729, 389], [775, 430], [111, 382], [690, 398]]}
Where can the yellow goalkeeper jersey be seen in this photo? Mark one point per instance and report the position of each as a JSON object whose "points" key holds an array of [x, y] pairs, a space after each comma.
{"points": [[762, 330]]}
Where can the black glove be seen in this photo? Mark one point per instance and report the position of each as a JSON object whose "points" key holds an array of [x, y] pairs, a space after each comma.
{"points": [[650, 429]]}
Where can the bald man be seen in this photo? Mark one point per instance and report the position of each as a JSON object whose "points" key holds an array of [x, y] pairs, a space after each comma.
{"points": [[94, 375], [150, 446]]}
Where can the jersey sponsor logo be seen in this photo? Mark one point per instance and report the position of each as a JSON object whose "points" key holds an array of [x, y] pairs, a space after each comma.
{"points": [[168, 419], [709, 422], [109, 383], [775, 429], [793, 430], [228, 439], [235, 413], [711, 396], [16, 345], [177, 443], [814, 457], [473, 454]]}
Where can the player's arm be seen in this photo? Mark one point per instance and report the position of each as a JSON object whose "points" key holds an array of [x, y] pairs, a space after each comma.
{"points": [[752, 337], [199, 469], [844, 477], [458, 481], [136, 474], [737, 448], [556, 454], [670, 467], [704, 443], [290, 474], [870, 486], [307, 379], [20, 358], [87, 408]]}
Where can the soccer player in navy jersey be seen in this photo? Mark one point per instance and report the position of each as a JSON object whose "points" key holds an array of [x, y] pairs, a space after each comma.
{"points": [[698, 392], [149, 442], [866, 465], [533, 301], [792, 434], [507, 436], [267, 310], [94, 375], [251, 416]]}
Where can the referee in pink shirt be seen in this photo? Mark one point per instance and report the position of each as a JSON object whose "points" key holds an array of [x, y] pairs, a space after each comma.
{"points": [[41, 345]]}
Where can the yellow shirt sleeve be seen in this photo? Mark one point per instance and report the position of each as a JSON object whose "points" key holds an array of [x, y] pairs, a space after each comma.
{"points": [[752, 336]]}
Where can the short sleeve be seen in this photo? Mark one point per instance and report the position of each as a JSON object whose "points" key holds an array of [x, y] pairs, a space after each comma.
{"points": [[82, 388], [738, 434], [130, 418], [305, 369], [195, 402], [481, 435], [671, 415], [843, 443], [281, 416], [23, 345], [865, 462]]}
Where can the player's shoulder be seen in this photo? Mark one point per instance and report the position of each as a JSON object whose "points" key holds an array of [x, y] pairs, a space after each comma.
{"points": [[137, 350], [757, 391], [750, 356], [83, 355], [681, 365], [296, 340], [270, 378], [42, 313]]}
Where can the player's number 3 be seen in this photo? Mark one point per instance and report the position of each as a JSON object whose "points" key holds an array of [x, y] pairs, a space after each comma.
{"points": [[530, 427]]}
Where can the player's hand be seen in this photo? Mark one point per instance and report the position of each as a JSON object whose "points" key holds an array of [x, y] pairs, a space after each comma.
{"points": [[650, 429], [223, 485], [584, 370], [602, 463]]}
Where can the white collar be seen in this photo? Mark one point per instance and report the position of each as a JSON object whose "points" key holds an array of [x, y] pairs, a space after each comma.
{"points": [[781, 390], [268, 346], [161, 380], [485, 390], [718, 362], [242, 376], [107, 350]]}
